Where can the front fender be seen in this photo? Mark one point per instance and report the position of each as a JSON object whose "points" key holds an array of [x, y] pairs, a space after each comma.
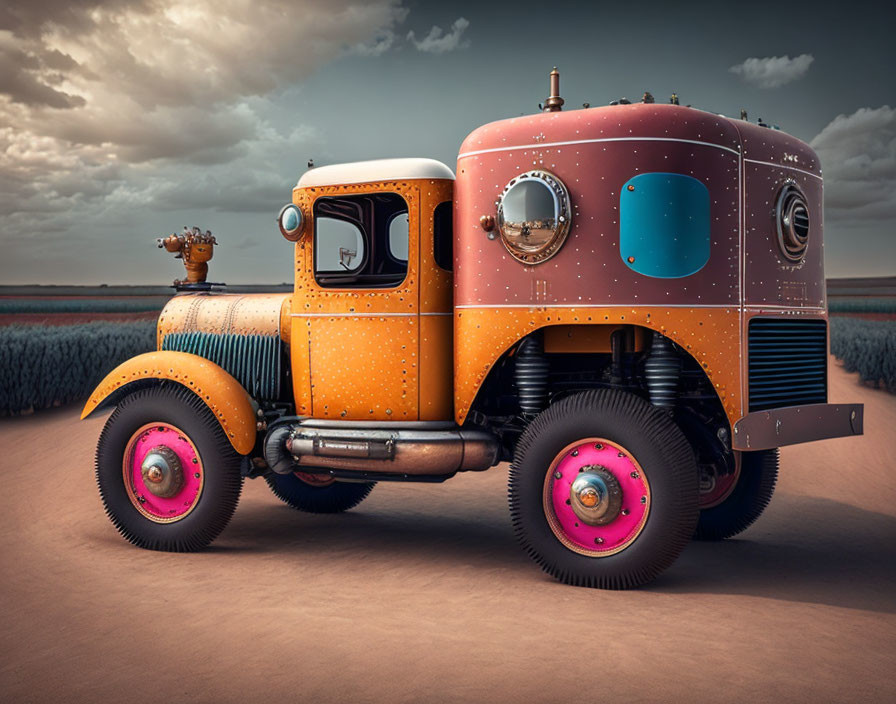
{"points": [[223, 394]]}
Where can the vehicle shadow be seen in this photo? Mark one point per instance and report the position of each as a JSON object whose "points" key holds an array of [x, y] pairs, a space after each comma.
{"points": [[804, 549]]}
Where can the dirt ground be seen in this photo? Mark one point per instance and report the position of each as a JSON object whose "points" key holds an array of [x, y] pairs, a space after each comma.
{"points": [[422, 595]]}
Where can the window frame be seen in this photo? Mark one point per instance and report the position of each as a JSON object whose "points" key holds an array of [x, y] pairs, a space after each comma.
{"points": [[367, 238]]}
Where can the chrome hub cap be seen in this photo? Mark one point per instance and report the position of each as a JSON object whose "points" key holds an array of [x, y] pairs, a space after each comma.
{"points": [[595, 496], [162, 472]]}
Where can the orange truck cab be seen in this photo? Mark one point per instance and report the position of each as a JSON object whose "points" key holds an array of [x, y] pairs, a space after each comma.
{"points": [[627, 303]]}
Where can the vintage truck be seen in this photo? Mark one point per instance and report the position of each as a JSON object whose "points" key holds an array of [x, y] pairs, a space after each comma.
{"points": [[627, 303]]}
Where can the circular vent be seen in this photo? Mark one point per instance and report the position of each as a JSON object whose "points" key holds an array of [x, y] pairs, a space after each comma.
{"points": [[792, 215]]}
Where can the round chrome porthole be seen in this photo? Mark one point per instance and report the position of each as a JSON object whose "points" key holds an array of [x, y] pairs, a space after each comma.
{"points": [[534, 216], [792, 216], [290, 221]]}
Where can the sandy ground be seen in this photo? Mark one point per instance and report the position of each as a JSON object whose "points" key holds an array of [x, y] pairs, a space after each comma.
{"points": [[422, 595]]}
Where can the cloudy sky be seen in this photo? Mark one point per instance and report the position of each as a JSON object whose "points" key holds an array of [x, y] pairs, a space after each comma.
{"points": [[123, 120]]}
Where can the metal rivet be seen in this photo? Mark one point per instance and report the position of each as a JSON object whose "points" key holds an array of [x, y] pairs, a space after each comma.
{"points": [[598, 446], [599, 541], [141, 499], [575, 453], [643, 499], [620, 454], [557, 475], [196, 474], [625, 512], [631, 188], [195, 460], [634, 475], [567, 502]]}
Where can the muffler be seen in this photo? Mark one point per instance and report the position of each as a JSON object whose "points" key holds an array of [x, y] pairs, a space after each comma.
{"points": [[401, 449]]}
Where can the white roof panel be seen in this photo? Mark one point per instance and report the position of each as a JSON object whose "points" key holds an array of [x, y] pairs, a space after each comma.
{"points": [[375, 170]]}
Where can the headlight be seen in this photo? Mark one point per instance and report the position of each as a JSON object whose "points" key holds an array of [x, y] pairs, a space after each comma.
{"points": [[534, 216], [290, 221], [792, 215]]}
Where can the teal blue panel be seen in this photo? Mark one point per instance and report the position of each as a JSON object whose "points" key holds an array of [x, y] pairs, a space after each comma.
{"points": [[664, 225]]}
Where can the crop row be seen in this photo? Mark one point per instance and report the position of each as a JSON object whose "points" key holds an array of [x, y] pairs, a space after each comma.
{"points": [[32, 306], [867, 347], [43, 366], [862, 305]]}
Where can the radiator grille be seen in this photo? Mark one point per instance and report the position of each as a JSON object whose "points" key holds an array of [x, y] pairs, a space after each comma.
{"points": [[787, 362], [253, 360]]}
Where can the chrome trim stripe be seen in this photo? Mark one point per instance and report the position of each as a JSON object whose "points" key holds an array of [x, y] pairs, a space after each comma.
{"points": [[596, 141], [574, 306], [364, 315], [783, 166]]}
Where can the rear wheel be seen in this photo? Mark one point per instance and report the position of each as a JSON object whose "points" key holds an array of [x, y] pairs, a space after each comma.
{"points": [[168, 477], [733, 505], [603, 490], [314, 493]]}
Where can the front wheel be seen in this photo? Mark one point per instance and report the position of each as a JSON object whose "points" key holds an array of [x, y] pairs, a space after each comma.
{"points": [[168, 477], [603, 490]]}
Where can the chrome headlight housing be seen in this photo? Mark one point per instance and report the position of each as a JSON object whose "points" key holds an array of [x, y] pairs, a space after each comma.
{"points": [[792, 219], [290, 221], [534, 216]]}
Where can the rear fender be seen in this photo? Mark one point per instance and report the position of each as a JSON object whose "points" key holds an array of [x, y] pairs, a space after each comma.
{"points": [[225, 397]]}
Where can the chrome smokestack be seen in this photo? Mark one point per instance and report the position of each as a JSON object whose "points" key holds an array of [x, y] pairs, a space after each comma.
{"points": [[554, 103]]}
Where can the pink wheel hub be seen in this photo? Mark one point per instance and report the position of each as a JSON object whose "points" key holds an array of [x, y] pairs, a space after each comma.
{"points": [[596, 497], [163, 472]]}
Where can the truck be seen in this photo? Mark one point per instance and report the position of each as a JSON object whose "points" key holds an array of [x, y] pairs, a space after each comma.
{"points": [[626, 303]]}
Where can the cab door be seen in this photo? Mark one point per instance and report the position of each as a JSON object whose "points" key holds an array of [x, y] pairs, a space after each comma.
{"points": [[359, 304]]}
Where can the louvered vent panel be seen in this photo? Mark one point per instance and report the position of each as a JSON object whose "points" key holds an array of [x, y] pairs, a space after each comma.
{"points": [[787, 362]]}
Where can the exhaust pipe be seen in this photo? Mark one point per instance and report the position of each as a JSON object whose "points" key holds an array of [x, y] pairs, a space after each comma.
{"points": [[384, 448]]}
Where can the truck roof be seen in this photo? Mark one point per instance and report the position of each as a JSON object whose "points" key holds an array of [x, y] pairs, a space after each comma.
{"points": [[374, 170]]}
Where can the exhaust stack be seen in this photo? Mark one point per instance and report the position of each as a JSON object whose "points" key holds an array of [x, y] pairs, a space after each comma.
{"points": [[554, 103]]}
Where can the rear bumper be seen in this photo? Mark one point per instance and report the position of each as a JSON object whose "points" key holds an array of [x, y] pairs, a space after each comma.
{"points": [[777, 427]]}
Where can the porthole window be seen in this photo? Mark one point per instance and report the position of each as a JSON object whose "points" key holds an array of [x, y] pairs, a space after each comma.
{"points": [[534, 216]]}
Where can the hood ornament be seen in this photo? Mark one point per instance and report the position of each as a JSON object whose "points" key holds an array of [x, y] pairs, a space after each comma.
{"points": [[195, 248]]}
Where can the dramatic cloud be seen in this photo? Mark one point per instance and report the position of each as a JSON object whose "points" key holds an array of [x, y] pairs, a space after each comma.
{"points": [[439, 42], [858, 158], [773, 71], [97, 95]]}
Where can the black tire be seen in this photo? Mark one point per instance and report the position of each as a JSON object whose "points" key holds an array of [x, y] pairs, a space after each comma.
{"points": [[658, 446], [746, 502], [222, 481], [331, 498]]}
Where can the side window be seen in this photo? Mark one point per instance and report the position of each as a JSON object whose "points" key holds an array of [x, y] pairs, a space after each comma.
{"points": [[399, 230], [338, 245], [361, 241], [443, 235]]}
